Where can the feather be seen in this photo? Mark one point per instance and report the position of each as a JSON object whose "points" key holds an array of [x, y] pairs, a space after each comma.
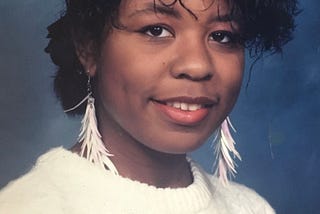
{"points": [[92, 146], [224, 144]]}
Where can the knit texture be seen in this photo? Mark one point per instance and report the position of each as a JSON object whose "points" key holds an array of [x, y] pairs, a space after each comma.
{"points": [[61, 182]]}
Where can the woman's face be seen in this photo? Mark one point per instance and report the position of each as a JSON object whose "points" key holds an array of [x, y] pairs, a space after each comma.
{"points": [[167, 79]]}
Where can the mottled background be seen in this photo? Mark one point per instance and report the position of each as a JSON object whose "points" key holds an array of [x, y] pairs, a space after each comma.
{"points": [[277, 117]]}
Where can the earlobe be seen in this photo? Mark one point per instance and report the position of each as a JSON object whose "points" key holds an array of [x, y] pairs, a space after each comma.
{"points": [[88, 61], [91, 69]]}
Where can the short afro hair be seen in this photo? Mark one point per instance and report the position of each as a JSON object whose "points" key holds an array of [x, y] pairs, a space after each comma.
{"points": [[267, 26]]}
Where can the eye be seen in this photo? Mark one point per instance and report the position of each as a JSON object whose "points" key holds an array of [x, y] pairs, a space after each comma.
{"points": [[156, 31], [225, 37]]}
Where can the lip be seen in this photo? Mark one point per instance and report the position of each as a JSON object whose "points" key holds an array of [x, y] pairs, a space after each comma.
{"points": [[205, 101], [185, 117]]}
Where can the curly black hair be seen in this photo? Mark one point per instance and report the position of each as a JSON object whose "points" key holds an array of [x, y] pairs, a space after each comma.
{"points": [[267, 25]]}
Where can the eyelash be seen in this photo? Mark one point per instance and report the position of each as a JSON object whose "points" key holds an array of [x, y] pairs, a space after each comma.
{"points": [[155, 31], [161, 29], [221, 35]]}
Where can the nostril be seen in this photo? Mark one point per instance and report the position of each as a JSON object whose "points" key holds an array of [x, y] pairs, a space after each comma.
{"points": [[208, 77], [183, 76], [194, 77]]}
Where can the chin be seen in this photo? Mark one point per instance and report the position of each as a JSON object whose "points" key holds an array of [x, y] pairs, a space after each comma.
{"points": [[178, 145]]}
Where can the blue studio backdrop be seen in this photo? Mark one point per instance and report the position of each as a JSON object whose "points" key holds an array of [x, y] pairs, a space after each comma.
{"points": [[277, 118]]}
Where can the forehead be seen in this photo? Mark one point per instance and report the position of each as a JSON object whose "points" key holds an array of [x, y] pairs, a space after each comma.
{"points": [[198, 7]]}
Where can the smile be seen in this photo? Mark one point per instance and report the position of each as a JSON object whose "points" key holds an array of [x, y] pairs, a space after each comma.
{"points": [[185, 110], [185, 106]]}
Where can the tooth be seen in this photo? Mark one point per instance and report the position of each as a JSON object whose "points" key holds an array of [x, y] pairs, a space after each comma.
{"points": [[193, 107], [184, 106], [170, 104], [176, 105]]}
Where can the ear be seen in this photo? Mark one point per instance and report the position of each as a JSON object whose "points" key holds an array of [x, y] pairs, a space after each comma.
{"points": [[87, 59]]}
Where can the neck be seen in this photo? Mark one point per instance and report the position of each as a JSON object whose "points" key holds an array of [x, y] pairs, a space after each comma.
{"points": [[135, 161], [138, 162], [153, 168]]}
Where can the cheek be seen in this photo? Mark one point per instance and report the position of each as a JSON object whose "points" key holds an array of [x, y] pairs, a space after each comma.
{"points": [[115, 74], [230, 76], [124, 81]]}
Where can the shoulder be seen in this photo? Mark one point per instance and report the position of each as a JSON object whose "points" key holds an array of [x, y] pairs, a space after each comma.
{"points": [[39, 186], [237, 198], [243, 198]]}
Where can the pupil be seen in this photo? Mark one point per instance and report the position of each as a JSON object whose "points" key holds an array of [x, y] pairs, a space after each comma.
{"points": [[219, 36], [156, 31]]}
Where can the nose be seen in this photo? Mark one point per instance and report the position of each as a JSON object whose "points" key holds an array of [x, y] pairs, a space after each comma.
{"points": [[193, 61]]}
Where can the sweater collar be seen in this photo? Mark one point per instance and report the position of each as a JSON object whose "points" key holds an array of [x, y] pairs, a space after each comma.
{"points": [[133, 194]]}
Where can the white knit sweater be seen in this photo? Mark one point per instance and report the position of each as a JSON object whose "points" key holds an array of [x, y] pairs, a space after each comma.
{"points": [[61, 182]]}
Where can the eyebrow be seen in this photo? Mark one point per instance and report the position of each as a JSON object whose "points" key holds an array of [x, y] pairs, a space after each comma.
{"points": [[152, 8], [226, 17]]}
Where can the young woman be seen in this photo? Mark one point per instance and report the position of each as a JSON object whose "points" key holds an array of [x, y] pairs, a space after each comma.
{"points": [[162, 75]]}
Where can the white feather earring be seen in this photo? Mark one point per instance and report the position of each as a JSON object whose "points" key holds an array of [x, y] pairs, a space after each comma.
{"points": [[224, 143], [92, 146]]}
